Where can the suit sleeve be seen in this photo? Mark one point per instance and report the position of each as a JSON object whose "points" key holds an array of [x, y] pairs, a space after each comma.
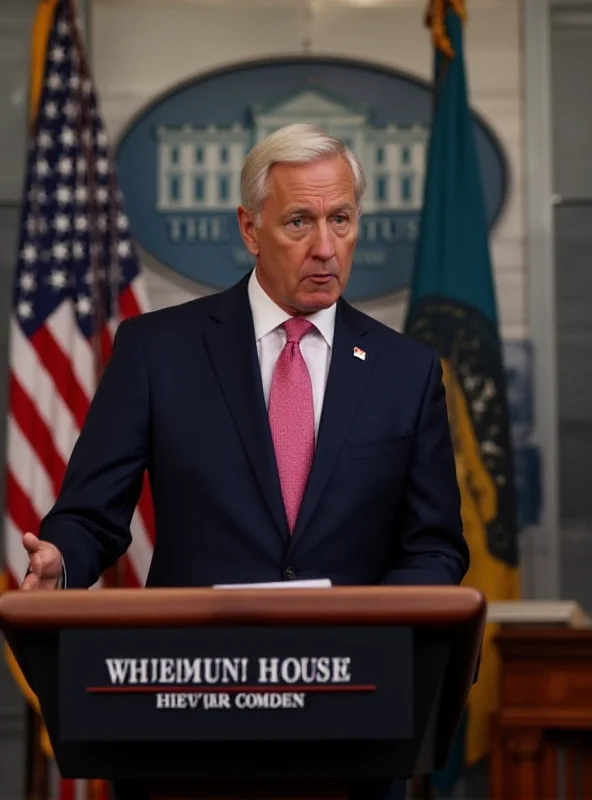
{"points": [[429, 547], [90, 521]]}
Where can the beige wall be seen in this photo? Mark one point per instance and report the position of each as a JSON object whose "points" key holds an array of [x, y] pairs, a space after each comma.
{"points": [[143, 47]]}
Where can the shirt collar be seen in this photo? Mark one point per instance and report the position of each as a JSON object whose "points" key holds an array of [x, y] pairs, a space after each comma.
{"points": [[267, 316]]}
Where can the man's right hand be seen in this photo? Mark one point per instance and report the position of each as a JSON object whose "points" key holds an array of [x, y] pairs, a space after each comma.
{"points": [[45, 564]]}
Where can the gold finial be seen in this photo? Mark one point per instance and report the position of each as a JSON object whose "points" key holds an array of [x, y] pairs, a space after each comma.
{"points": [[435, 20]]}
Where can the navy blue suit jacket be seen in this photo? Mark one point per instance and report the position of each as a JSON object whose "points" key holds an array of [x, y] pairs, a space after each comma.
{"points": [[182, 398]]}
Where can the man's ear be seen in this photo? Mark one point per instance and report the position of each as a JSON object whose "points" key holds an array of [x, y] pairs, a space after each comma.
{"points": [[248, 230]]}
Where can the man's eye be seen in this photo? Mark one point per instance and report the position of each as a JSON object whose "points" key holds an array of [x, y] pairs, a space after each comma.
{"points": [[297, 222], [341, 219]]}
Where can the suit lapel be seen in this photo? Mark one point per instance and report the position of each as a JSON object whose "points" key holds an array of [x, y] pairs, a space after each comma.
{"points": [[346, 383], [233, 353]]}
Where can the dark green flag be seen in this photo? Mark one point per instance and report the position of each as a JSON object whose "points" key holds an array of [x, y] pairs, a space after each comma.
{"points": [[453, 308]]}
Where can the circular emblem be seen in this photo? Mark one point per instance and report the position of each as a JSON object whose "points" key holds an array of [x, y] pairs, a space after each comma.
{"points": [[179, 162]]}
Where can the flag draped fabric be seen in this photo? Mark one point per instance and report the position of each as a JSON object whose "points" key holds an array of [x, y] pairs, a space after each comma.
{"points": [[453, 308], [77, 277]]}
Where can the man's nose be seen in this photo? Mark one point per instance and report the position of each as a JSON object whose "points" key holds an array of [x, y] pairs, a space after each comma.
{"points": [[323, 246]]}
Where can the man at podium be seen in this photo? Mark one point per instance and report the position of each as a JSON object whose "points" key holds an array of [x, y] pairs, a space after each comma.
{"points": [[286, 434]]}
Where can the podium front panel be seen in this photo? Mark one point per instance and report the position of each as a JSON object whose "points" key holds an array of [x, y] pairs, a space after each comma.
{"points": [[239, 684]]}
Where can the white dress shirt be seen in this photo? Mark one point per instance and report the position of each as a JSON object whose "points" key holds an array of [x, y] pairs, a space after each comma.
{"points": [[315, 346]]}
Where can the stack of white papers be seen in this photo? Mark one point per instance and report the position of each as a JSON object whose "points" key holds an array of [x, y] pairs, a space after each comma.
{"points": [[320, 583]]}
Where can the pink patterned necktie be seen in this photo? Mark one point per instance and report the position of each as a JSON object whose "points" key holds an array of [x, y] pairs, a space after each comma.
{"points": [[291, 417]]}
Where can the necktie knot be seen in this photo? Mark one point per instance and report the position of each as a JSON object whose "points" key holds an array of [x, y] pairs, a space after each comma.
{"points": [[296, 328]]}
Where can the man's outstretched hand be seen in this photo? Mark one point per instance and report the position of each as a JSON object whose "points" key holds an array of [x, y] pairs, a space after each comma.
{"points": [[45, 564]]}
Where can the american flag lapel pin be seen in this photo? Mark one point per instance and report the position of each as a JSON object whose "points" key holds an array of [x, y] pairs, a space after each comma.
{"points": [[359, 353]]}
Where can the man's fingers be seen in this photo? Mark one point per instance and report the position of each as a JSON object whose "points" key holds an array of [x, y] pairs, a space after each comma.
{"points": [[31, 582], [31, 543], [36, 564], [44, 558]]}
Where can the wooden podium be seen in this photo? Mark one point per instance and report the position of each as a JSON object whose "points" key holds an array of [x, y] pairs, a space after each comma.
{"points": [[248, 693]]}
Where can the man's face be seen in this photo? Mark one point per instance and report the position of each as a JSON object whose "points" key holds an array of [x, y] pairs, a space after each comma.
{"points": [[304, 244]]}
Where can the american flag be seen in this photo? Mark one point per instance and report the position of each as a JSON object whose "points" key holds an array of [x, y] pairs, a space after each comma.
{"points": [[77, 277]]}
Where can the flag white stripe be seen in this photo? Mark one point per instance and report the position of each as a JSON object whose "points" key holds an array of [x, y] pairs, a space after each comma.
{"points": [[28, 471], [140, 550], [138, 287], [64, 328], [54, 781], [17, 560], [30, 372]]}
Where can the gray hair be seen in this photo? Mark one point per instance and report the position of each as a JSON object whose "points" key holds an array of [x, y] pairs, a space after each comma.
{"points": [[299, 143]]}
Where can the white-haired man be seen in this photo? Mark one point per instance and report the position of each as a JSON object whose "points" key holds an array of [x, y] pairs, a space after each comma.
{"points": [[286, 434]]}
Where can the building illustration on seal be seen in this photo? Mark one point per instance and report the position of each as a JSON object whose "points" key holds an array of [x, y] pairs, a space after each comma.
{"points": [[199, 168]]}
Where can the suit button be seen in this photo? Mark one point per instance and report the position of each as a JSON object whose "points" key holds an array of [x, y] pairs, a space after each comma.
{"points": [[290, 573]]}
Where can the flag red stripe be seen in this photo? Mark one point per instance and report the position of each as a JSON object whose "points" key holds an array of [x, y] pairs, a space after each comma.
{"points": [[146, 508], [59, 366], [19, 506], [12, 581], [67, 789], [106, 344], [36, 431], [130, 579], [128, 303]]}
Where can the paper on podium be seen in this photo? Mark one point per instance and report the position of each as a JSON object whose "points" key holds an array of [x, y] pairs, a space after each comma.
{"points": [[318, 583]]}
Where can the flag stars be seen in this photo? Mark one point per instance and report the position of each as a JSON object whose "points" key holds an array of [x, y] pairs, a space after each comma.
{"points": [[63, 28], [42, 168], [124, 248], [80, 223], [102, 166], [29, 254], [81, 194], [24, 309], [57, 54], [90, 276], [102, 195], [27, 282], [122, 222], [54, 82], [77, 250], [61, 223], [83, 305], [60, 251], [44, 140], [65, 166], [64, 195], [58, 279], [70, 110], [51, 110], [67, 138]]}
